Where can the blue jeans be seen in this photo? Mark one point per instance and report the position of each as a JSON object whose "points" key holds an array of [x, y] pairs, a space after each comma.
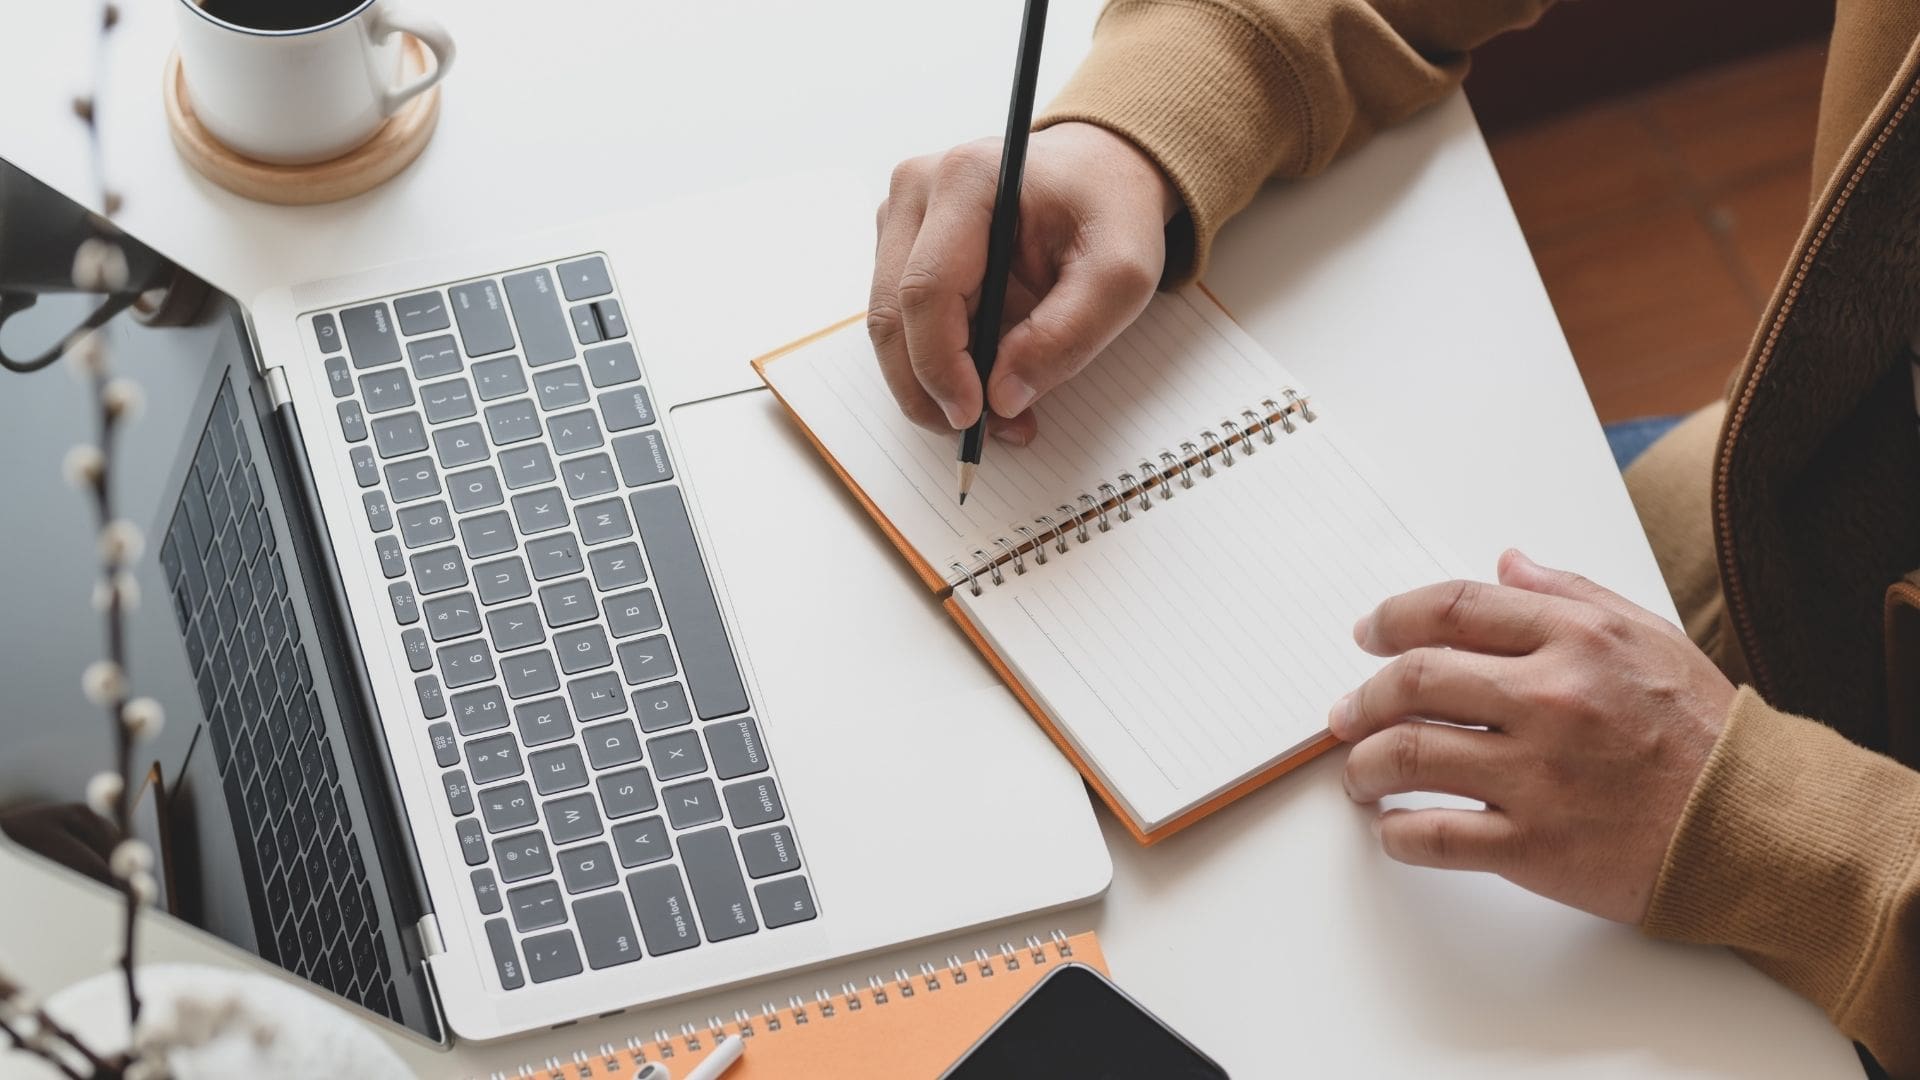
{"points": [[1628, 439]]}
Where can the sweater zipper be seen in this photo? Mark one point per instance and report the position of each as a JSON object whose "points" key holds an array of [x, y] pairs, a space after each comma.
{"points": [[1731, 582]]}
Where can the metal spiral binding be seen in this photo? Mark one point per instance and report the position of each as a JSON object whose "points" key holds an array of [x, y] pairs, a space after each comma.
{"points": [[1136, 490], [665, 1045]]}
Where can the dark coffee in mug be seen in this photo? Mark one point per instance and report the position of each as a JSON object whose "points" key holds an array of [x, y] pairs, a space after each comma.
{"points": [[276, 16]]}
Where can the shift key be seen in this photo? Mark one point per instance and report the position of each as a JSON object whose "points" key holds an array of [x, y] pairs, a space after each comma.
{"points": [[482, 316], [544, 334], [718, 889]]}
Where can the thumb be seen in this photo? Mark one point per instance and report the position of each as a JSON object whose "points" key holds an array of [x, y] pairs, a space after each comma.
{"points": [[1520, 572], [1094, 298]]}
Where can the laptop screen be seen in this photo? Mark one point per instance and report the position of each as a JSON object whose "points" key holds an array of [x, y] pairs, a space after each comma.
{"points": [[260, 796]]}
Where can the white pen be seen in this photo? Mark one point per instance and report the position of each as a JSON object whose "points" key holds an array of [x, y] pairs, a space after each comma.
{"points": [[725, 1053]]}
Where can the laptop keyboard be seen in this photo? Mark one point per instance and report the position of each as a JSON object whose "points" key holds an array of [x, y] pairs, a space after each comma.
{"points": [[603, 775], [313, 908]]}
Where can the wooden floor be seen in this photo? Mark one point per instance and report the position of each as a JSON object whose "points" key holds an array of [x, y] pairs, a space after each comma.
{"points": [[1661, 221]]}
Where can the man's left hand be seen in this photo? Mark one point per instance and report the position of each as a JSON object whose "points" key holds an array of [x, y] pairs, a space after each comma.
{"points": [[1581, 720]]}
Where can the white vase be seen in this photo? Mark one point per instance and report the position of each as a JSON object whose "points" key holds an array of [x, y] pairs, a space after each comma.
{"points": [[311, 1038]]}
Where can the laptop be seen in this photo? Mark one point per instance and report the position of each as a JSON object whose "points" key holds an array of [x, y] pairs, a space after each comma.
{"points": [[521, 665]]}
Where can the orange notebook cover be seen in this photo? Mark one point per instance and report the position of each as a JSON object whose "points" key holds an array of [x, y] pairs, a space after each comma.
{"points": [[910, 1026], [939, 586]]}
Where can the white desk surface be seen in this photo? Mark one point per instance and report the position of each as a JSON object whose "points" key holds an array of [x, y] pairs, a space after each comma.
{"points": [[1275, 935]]}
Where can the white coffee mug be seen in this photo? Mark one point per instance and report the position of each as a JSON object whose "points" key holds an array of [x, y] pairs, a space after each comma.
{"points": [[302, 95]]}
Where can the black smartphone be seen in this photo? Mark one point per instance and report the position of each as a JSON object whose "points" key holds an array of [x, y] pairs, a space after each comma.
{"points": [[1075, 1025]]}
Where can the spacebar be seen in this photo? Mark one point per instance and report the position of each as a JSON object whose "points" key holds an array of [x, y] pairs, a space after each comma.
{"points": [[687, 595]]}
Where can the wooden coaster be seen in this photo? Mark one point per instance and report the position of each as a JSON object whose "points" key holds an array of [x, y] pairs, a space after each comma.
{"points": [[372, 163]]}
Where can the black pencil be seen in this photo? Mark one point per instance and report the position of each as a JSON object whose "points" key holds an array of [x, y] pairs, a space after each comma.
{"points": [[984, 343]]}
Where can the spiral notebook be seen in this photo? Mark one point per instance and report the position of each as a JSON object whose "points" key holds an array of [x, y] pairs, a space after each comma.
{"points": [[1167, 577], [910, 1026]]}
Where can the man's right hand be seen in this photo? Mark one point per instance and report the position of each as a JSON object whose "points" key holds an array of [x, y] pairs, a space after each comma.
{"points": [[1092, 244]]}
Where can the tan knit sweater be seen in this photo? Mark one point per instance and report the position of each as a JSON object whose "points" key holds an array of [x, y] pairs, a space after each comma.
{"points": [[1798, 848]]}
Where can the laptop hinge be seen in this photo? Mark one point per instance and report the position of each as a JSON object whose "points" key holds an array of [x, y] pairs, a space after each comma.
{"points": [[277, 392], [428, 931]]}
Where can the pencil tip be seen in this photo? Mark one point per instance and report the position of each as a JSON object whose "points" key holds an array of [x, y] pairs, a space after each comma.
{"points": [[966, 480], [963, 498]]}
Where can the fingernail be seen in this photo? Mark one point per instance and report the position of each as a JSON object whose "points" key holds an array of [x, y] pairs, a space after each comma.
{"points": [[1374, 826], [958, 419], [1361, 627], [1010, 436], [1015, 395], [1341, 714]]}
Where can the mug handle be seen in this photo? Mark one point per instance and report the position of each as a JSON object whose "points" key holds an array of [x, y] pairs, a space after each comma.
{"points": [[388, 21]]}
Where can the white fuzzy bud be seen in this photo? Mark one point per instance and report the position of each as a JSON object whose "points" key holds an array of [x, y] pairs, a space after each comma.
{"points": [[130, 857], [83, 466], [103, 682], [121, 542], [99, 266], [144, 887], [143, 717], [102, 791], [125, 589], [87, 357], [123, 398]]}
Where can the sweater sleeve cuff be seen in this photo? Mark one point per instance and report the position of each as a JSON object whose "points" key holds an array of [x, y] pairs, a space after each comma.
{"points": [[1196, 87], [1794, 849]]}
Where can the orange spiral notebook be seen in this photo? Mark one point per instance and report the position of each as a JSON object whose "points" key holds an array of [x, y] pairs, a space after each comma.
{"points": [[911, 1026], [1168, 577]]}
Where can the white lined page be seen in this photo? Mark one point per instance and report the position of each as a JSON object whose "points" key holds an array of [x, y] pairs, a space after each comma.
{"points": [[1206, 638], [1183, 366]]}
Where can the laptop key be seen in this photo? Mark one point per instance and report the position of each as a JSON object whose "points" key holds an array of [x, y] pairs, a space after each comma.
{"points": [[611, 744], [496, 757], [433, 357], [584, 649], [460, 445], [754, 802], [626, 409], [526, 466], [596, 696], [575, 431], [459, 795], [473, 842], [568, 602], [506, 963], [585, 326], [529, 673], [643, 459], [641, 842], [646, 660], [370, 337], [767, 852], [560, 388], [676, 755], [450, 400], [735, 749], [509, 806], [479, 711], [379, 515], [603, 521], [544, 721], [552, 956], [502, 580], [680, 574], [611, 365], [422, 313], [326, 333], [583, 279], [572, 818], [425, 523], [692, 803], [392, 560], [513, 627], [666, 915], [414, 478], [446, 748], [466, 663], [785, 901], [339, 379], [661, 707], [536, 907], [512, 422], [454, 616], [475, 489], [438, 570], [487, 534], [500, 377], [540, 511], [522, 856], [612, 323], [419, 653], [617, 567], [544, 334], [385, 391], [554, 556], [403, 433], [353, 423], [486, 892], [606, 931], [406, 607], [559, 769], [482, 316], [718, 888], [433, 701], [366, 471], [624, 794], [589, 476]]}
